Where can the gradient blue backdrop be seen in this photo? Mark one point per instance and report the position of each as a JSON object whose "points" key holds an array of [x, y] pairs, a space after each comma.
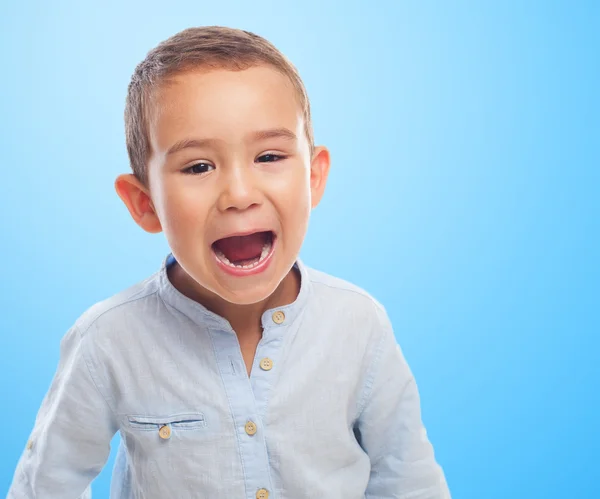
{"points": [[463, 195]]}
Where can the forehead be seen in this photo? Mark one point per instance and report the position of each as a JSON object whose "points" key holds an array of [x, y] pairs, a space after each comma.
{"points": [[222, 104]]}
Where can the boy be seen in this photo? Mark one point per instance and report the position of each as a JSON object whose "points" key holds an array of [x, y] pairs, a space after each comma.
{"points": [[235, 371]]}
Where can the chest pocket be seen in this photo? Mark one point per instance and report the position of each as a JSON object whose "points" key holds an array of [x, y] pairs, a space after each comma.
{"points": [[163, 448], [164, 426], [156, 443]]}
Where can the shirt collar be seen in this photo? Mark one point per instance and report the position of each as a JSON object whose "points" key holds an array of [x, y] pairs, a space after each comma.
{"points": [[271, 318]]}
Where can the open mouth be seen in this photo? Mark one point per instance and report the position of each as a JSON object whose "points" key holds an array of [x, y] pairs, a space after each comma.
{"points": [[244, 252]]}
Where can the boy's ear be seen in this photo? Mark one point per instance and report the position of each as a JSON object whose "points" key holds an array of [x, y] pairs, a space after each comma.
{"points": [[319, 170], [137, 199]]}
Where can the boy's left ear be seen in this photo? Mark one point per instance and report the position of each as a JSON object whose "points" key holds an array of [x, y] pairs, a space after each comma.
{"points": [[319, 170]]}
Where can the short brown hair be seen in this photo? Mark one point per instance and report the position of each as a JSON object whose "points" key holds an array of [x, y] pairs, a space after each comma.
{"points": [[211, 47]]}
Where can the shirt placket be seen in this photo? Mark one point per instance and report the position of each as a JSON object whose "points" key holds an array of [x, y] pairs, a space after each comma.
{"points": [[248, 397]]}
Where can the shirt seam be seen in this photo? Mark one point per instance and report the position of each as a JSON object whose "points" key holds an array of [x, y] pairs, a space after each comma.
{"points": [[131, 299], [93, 377], [370, 378], [362, 293]]}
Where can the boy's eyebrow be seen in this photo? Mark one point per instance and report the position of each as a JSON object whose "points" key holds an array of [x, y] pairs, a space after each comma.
{"points": [[186, 143], [272, 133], [275, 133]]}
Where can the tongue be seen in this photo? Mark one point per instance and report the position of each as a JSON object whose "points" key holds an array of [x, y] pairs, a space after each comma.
{"points": [[240, 248]]}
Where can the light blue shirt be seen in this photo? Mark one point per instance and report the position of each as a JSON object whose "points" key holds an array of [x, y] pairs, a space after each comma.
{"points": [[330, 409]]}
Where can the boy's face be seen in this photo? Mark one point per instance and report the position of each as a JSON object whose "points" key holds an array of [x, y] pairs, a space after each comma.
{"points": [[230, 179]]}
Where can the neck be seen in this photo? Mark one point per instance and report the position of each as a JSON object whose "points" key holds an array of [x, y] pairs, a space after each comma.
{"points": [[244, 319]]}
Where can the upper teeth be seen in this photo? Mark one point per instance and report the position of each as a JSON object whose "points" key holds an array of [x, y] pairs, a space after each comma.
{"points": [[265, 251]]}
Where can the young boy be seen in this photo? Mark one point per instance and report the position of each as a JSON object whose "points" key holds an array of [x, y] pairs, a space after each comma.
{"points": [[234, 371]]}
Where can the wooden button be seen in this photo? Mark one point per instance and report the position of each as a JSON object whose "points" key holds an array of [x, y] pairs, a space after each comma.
{"points": [[266, 364], [251, 428], [164, 432], [278, 317], [262, 494]]}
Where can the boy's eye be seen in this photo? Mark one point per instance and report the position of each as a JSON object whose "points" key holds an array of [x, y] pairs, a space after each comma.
{"points": [[269, 158], [199, 168]]}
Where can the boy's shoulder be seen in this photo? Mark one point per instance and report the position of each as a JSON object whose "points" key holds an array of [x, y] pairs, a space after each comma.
{"points": [[115, 307], [328, 286]]}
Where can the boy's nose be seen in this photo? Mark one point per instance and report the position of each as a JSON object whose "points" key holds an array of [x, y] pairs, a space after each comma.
{"points": [[239, 190]]}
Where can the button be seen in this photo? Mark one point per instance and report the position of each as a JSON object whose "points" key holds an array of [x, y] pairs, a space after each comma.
{"points": [[266, 364], [251, 428], [262, 494], [278, 317], [164, 432], [29, 445]]}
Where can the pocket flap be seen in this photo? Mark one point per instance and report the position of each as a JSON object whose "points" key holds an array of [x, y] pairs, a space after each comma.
{"points": [[181, 421]]}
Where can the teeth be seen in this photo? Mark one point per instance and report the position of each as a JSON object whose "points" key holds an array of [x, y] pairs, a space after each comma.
{"points": [[265, 251]]}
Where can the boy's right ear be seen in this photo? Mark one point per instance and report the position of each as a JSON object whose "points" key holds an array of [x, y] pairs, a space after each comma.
{"points": [[137, 199]]}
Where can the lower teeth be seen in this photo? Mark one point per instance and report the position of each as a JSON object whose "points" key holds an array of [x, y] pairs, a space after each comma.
{"points": [[265, 251]]}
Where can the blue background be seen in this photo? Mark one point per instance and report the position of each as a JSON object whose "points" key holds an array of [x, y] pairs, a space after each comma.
{"points": [[463, 195]]}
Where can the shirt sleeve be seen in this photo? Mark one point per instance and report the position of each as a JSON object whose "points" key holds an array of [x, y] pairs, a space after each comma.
{"points": [[70, 441], [391, 432]]}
